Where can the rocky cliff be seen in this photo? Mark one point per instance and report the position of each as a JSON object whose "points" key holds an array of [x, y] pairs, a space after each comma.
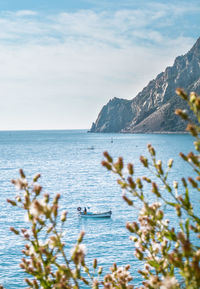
{"points": [[114, 116], [152, 110]]}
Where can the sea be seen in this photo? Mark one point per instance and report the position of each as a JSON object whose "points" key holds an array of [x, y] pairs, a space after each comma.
{"points": [[69, 162]]}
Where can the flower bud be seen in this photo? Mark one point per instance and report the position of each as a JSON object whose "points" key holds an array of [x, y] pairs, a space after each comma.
{"points": [[144, 161], [197, 102], [56, 199], [120, 163], [175, 184], [193, 183], [159, 167], [63, 216], [36, 177], [130, 169], [14, 230], [95, 263], [49, 229], [193, 97], [178, 210], [193, 158], [183, 156], [131, 183], [146, 179], [127, 267], [139, 183], [106, 165], [151, 150], [132, 227], [138, 254], [181, 113], [100, 270], [81, 235], [108, 157], [36, 286], [13, 203], [28, 282], [181, 92], [192, 129], [85, 281], [155, 189], [21, 172], [197, 145], [37, 189], [18, 198], [170, 163], [55, 210], [184, 182], [127, 200]]}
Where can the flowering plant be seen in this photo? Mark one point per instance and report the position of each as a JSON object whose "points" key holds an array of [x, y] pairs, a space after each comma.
{"points": [[46, 261], [171, 256]]}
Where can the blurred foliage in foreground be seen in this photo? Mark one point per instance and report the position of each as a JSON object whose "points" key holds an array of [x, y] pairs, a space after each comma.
{"points": [[171, 257]]}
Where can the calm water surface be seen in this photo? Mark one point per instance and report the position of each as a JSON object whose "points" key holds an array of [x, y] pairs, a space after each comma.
{"points": [[70, 167]]}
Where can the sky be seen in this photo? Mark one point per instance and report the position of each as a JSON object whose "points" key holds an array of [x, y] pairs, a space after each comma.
{"points": [[62, 60]]}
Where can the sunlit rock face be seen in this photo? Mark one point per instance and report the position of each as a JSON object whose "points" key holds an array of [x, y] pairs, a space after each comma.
{"points": [[152, 110], [114, 116]]}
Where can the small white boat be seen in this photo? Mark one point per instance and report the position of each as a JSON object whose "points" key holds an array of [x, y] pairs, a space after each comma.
{"points": [[86, 214]]}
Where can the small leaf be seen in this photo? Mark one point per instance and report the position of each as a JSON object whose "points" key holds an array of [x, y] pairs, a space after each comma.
{"points": [[154, 264], [172, 204], [187, 227]]}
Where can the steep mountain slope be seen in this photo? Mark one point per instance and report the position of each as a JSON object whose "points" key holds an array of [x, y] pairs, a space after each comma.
{"points": [[152, 110], [114, 116]]}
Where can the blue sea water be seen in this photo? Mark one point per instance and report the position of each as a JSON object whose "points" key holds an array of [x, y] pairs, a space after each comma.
{"points": [[70, 164]]}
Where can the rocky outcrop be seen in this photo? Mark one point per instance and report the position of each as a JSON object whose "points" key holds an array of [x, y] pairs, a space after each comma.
{"points": [[152, 110], [114, 116]]}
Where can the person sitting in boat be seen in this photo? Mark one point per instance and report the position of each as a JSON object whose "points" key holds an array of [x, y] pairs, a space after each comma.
{"points": [[85, 211]]}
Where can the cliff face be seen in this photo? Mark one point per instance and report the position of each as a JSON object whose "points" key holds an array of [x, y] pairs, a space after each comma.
{"points": [[114, 116], [152, 110]]}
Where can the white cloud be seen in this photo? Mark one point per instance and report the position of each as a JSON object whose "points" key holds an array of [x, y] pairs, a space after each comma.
{"points": [[57, 71], [23, 13]]}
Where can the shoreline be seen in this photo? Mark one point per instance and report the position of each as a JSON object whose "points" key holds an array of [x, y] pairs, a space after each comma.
{"points": [[159, 132], [153, 132]]}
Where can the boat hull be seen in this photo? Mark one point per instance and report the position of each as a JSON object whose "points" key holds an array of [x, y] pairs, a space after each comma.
{"points": [[96, 215]]}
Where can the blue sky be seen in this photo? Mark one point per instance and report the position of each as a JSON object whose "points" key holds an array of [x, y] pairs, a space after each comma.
{"points": [[61, 61]]}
